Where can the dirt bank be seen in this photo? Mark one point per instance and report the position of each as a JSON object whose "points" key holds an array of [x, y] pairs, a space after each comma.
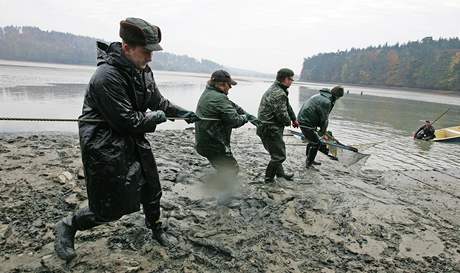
{"points": [[340, 219]]}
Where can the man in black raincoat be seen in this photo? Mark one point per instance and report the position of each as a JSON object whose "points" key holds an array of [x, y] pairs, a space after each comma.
{"points": [[120, 169], [425, 132]]}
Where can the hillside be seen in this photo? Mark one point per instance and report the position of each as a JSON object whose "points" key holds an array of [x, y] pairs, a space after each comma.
{"points": [[35, 45], [432, 64]]}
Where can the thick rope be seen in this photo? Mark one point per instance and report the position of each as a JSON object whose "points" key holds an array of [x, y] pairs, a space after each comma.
{"points": [[82, 119]]}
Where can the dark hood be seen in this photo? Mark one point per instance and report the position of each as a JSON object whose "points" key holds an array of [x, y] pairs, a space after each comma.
{"points": [[112, 54]]}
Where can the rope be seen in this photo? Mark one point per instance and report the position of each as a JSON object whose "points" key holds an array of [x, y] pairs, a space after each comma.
{"points": [[51, 119], [81, 120]]}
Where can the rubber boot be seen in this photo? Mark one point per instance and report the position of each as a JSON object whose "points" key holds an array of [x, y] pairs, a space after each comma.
{"points": [[65, 238], [270, 173], [280, 173], [159, 234]]}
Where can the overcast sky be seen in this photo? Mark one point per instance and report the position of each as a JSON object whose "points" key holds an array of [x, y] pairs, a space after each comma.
{"points": [[261, 35]]}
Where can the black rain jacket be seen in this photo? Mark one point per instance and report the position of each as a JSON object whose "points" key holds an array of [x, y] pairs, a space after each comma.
{"points": [[119, 165]]}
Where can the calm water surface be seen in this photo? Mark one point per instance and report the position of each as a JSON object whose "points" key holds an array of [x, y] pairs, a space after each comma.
{"points": [[387, 116]]}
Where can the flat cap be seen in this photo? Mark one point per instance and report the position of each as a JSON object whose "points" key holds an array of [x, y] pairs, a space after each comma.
{"points": [[139, 32]]}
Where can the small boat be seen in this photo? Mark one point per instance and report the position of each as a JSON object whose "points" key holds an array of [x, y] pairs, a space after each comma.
{"points": [[450, 134]]}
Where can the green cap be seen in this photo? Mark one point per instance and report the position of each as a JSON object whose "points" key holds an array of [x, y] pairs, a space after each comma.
{"points": [[337, 91], [284, 73], [139, 32], [222, 76]]}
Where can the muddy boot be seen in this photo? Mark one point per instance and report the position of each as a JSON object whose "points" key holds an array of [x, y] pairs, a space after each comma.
{"points": [[159, 234], [310, 166], [270, 173], [280, 173], [64, 239]]}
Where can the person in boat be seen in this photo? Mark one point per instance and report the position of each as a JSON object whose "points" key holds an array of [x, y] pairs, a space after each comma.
{"points": [[119, 166], [275, 113], [425, 132], [314, 113]]}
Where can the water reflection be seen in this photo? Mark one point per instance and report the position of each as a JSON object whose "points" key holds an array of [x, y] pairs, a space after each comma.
{"points": [[390, 122], [43, 93], [387, 122], [423, 146], [400, 114]]}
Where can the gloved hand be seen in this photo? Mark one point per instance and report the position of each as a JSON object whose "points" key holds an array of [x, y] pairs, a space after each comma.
{"points": [[159, 116], [256, 122], [245, 118], [191, 117], [250, 117], [295, 123]]}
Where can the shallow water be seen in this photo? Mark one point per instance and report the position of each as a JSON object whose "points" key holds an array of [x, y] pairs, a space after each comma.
{"points": [[386, 124], [387, 120]]}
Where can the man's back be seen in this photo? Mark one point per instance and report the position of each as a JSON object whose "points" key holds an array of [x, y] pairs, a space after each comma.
{"points": [[315, 111], [215, 134]]}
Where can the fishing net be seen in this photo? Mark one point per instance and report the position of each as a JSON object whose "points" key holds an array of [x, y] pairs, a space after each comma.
{"points": [[347, 157]]}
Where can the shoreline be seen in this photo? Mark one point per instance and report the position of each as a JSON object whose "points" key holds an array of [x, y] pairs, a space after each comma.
{"points": [[389, 87], [413, 94], [339, 219]]}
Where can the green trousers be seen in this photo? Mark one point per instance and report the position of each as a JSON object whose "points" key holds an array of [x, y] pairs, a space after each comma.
{"points": [[272, 138]]}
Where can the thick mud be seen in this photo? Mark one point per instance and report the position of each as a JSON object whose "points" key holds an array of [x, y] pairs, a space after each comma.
{"points": [[379, 216]]}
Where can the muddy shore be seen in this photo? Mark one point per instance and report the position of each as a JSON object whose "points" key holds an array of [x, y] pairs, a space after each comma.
{"points": [[337, 219]]}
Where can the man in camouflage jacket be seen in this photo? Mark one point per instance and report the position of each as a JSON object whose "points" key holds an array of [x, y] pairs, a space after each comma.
{"points": [[275, 113]]}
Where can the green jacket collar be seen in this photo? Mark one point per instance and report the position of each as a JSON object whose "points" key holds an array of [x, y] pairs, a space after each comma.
{"points": [[209, 87], [285, 88]]}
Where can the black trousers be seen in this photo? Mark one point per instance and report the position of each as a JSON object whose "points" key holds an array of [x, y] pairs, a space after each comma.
{"points": [[224, 163], [84, 218], [313, 144]]}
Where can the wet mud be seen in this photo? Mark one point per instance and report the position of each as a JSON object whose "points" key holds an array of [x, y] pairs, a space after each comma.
{"points": [[379, 215]]}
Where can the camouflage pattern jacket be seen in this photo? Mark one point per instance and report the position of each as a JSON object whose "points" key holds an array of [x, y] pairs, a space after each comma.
{"points": [[274, 106]]}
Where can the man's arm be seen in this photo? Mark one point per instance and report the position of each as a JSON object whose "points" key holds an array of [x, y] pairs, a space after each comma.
{"points": [[323, 114], [419, 130], [230, 115], [158, 102], [238, 109], [251, 118], [279, 104], [294, 121], [290, 111], [112, 101]]}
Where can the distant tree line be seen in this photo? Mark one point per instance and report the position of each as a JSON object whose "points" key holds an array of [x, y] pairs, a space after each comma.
{"points": [[433, 64], [35, 45]]}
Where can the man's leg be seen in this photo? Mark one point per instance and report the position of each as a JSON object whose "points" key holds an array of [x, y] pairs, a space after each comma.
{"points": [[224, 163], [152, 214], [312, 147], [150, 199], [67, 227], [274, 144], [226, 177]]}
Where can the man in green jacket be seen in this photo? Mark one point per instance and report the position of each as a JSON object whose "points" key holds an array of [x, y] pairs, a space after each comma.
{"points": [[314, 113], [218, 116], [275, 113]]}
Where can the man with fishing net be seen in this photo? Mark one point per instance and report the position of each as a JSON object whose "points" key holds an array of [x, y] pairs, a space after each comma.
{"points": [[314, 114]]}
